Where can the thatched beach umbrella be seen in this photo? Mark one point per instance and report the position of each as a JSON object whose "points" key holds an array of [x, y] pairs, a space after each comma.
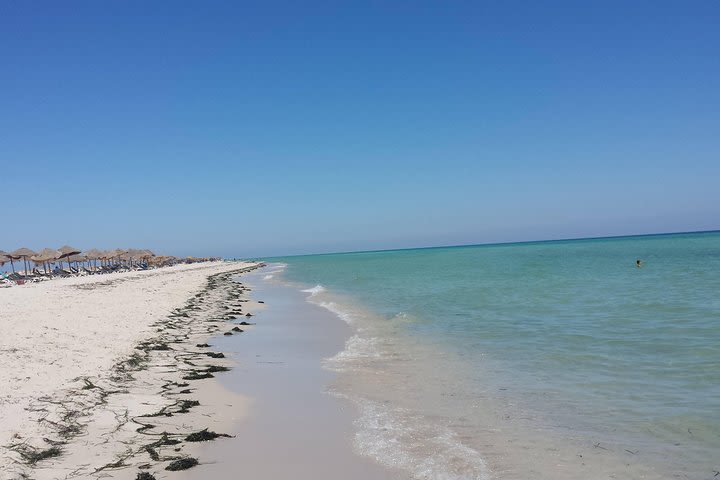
{"points": [[67, 251], [46, 256], [131, 254], [94, 254], [135, 254], [106, 256], [73, 258], [25, 254], [77, 259], [118, 253], [146, 256], [4, 256]]}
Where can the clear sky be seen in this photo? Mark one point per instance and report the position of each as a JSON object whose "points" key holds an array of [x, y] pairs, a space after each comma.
{"points": [[250, 129]]}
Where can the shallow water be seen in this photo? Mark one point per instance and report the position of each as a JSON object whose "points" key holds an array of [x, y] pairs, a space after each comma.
{"points": [[291, 428], [552, 359]]}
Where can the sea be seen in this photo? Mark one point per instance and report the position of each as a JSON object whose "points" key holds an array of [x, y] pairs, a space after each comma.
{"points": [[543, 360]]}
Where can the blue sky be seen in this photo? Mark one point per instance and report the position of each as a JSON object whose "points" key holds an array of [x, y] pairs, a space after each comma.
{"points": [[250, 129]]}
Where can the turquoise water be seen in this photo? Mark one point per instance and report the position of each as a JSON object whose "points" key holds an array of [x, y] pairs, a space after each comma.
{"points": [[562, 347]]}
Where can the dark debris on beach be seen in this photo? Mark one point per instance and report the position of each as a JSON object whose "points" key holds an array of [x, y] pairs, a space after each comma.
{"points": [[145, 476], [174, 330], [204, 436], [182, 464], [31, 455]]}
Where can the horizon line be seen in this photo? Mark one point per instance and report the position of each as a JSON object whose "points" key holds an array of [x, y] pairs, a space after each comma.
{"points": [[490, 244]]}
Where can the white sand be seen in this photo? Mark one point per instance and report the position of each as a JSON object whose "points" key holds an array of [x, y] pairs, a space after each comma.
{"points": [[53, 332]]}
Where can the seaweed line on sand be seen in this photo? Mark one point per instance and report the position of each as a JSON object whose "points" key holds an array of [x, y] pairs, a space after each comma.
{"points": [[68, 414]]}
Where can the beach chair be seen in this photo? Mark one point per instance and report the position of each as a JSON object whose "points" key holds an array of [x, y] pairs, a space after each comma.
{"points": [[40, 275], [65, 273], [17, 278], [6, 280]]}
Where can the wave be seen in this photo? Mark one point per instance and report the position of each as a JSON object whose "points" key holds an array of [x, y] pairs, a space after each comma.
{"points": [[393, 436], [357, 348], [343, 314], [276, 267], [314, 290], [396, 437]]}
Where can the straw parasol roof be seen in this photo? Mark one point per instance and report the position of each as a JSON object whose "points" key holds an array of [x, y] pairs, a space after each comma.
{"points": [[22, 252], [66, 251], [134, 253], [46, 255], [76, 258], [94, 254]]}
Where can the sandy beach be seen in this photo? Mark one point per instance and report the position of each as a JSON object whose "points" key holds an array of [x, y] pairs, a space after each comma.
{"points": [[95, 371]]}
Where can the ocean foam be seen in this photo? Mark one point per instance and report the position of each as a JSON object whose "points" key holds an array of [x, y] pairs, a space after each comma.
{"points": [[396, 437], [276, 267], [393, 436], [356, 348], [314, 290], [333, 307], [268, 277]]}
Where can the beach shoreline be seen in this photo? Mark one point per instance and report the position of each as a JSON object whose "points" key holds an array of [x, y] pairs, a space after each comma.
{"points": [[296, 427], [107, 375]]}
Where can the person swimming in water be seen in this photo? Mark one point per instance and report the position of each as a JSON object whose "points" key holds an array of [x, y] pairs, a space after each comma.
{"points": [[638, 263]]}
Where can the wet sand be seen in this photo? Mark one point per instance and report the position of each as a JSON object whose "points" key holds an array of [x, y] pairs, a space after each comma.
{"points": [[294, 428]]}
